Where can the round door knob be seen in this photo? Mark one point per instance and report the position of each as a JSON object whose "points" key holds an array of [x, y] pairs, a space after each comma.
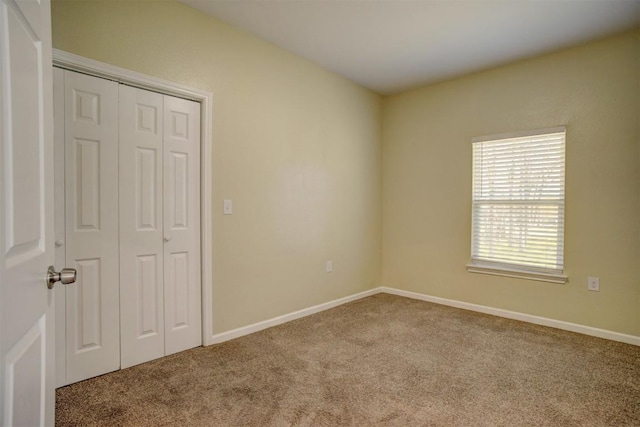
{"points": [[59, 243], [65, 276], [167, 238]]}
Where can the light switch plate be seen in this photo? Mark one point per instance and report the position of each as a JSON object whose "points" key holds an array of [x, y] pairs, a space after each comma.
{"points": [[593, 284], [228, 207]]}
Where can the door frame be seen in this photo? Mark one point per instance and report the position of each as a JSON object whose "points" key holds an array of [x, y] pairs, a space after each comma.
{"points": [[103, 70]]}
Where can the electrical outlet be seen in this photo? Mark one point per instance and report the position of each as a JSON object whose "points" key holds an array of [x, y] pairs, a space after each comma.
{"points": [[593, 284], [329, 266]]}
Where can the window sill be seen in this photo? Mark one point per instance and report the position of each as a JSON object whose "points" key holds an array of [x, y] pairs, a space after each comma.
{"points": [[520, 274]]}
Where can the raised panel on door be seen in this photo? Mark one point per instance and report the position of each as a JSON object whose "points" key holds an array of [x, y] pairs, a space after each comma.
{"points": [[91, 212], [141, 216], [182, 288], [26, 214]]}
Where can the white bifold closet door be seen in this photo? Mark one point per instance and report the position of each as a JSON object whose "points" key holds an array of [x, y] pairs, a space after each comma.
{"points": [[128, 170], [91, 222], [159, 139], [182, 270]]}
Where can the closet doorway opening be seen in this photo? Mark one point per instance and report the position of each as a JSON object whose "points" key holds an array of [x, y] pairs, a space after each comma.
{"points": [[133, 161]]}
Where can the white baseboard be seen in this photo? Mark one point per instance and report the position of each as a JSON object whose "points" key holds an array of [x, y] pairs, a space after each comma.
{"points": [[249, 329], [544, 321], [537, 320]]}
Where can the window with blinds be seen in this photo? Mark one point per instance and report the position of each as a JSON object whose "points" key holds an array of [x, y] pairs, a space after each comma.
{"points": [[518, 202]]}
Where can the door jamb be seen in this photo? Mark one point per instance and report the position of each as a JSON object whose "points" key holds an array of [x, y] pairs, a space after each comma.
{"points": [[84, 65]]}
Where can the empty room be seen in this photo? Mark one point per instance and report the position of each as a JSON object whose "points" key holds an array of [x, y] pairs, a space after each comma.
{"points": [[320, 212]]}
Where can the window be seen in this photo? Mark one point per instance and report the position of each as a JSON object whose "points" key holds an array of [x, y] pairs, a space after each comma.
{"points": [[518, 205]]}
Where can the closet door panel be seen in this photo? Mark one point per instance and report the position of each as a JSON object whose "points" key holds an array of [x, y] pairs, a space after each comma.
{"points": [[91, 212], [141, 222], [182, 224]]}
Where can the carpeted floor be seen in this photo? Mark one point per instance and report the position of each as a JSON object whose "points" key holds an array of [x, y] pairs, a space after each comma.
{"points": [[383, 360]]}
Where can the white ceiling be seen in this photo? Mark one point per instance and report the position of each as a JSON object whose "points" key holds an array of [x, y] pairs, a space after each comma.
{"points": [[392, 45]]}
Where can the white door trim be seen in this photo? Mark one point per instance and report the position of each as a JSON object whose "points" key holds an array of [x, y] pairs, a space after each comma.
{"points": [[81, 64]]}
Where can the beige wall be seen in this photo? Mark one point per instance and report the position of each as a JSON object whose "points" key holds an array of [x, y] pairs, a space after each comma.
{"points": [[295, 147], [299, 151], [595, 91]]}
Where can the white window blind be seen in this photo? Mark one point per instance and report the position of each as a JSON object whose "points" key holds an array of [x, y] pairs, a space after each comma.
{"points": [[518, 201]]}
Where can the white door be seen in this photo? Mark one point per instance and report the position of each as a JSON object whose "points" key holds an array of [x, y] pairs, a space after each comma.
{"points": [[26, 215], [91, 225], [141, 252], [131, 181], [160, 284], [182, 224]]}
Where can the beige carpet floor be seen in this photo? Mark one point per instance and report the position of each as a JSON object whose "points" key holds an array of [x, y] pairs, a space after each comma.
{"points": [[383, 360]]}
